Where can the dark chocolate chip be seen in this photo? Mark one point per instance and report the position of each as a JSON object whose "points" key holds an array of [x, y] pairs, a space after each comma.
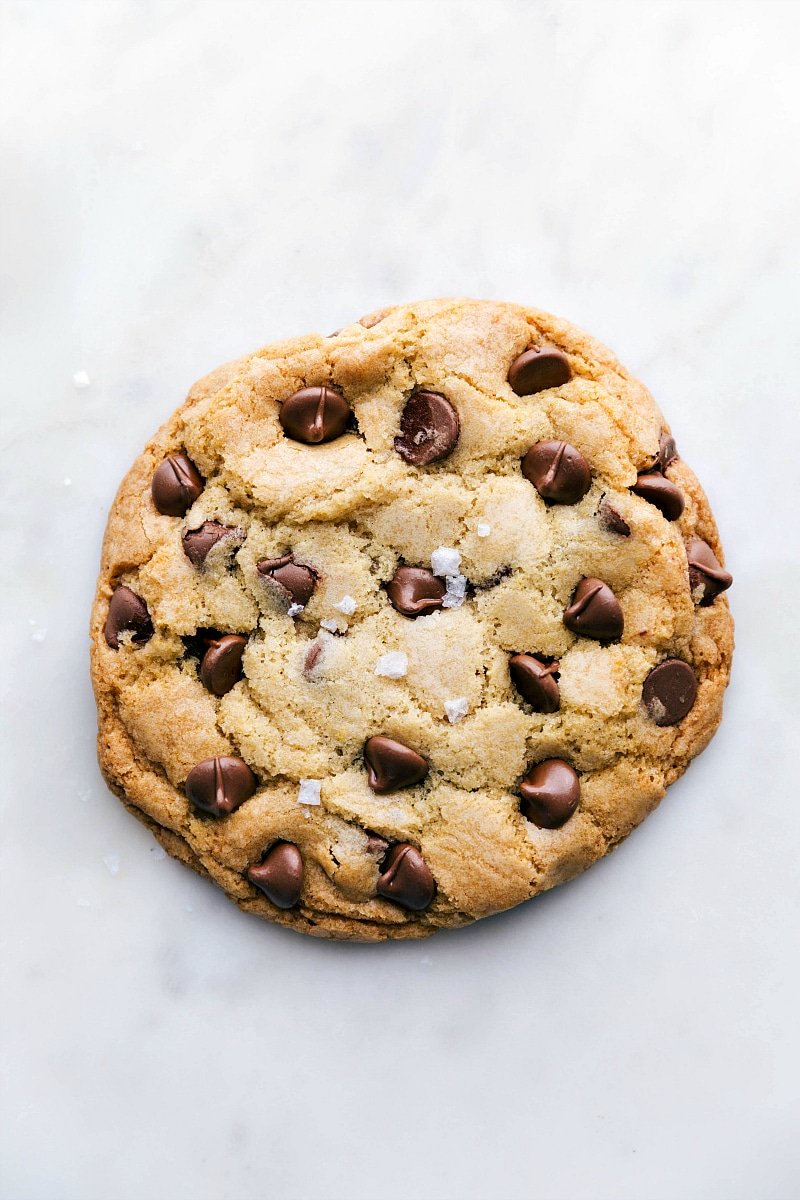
{"points": [[176, 485], [314, 415], [391, 765], [558, 471], [537, 369], [707, 578], [550, 793], [669, 691], [613, 521], [429, 429], [221, 666], [667, 450], [295, 581], [594, 611], [414, 591], [279, 875], [127, 612], [660, 491], [198, 542], [406, 878], [219, 785], [536, 681]]}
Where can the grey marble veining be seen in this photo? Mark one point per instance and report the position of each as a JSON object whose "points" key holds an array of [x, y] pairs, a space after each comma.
{"points": [[183, 181]]}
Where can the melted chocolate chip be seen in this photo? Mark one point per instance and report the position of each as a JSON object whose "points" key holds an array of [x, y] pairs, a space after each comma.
{"points": [[391, 765], [537, 369], [376, 846], [221, 665], [198, 542], [667, 450], [662, 492], [595, 611], [550, 793], [406, 878], [669, 691], [314, 415], [429, 429], [176, 485], [613, 521], [558, 471], [219, 785], [279, 875], [295, 581], [536, 681], [312, 657], [707, 578], [127, 612], [414, 591]]}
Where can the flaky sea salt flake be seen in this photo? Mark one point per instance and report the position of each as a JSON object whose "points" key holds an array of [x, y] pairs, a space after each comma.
{"points": [[445, 561], [295, 610], [309, 791], [112, 863], [456, 709], [455, 591], [346, 605], [484, 529], [81, 379], [393, 665]]}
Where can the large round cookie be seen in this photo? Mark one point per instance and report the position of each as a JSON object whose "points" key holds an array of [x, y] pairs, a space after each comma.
{"points": [[399, 627]]}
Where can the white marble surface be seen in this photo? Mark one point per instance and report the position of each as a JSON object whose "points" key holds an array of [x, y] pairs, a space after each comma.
{"points": [[184, 181]]}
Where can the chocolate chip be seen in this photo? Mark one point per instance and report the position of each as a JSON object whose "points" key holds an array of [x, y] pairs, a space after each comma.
{"points": [[376, 846], [176, 485], [198, 542], [558, 471], [219, 785], [313, 655], [536, 681], [707, 578], [221, 666], [295, 581], [429, 429], [415, 590], [406, 878], [594, 611], [660, 491], [613, 521], [391, 765], [279, 875], [669, 691], [537, 369], [550, 793], [127, 612], [667, 450], [314, 415]]}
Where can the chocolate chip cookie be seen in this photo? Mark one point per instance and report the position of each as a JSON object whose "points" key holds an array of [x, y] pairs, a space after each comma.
{"points": [[398, 627]]}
